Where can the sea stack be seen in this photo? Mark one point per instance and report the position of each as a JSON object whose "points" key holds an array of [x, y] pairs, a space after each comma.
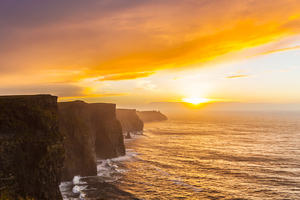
{"points": [[31, 147], [130, 121]]}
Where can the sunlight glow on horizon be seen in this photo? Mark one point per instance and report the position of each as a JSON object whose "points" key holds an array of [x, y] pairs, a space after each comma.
{"points": [[146, 51], [195, 100]]}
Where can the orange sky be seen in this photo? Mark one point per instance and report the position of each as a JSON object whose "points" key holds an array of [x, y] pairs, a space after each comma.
{"points": [[89, 48]]}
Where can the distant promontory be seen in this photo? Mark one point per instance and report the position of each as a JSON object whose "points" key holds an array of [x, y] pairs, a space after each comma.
{"points": [[151, 116]]}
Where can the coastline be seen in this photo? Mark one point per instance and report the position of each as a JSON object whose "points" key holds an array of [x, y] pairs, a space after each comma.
{"points": [[74, 145], [103, 185]]}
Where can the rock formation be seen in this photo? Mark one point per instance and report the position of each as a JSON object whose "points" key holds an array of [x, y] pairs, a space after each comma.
{"points": [[109, 141], [74, 124], [151, 116], [130, 121], [39, 140], [91, 131], [31, 149]]}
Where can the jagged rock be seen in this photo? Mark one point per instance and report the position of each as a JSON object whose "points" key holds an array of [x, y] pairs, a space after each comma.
{"points": [[130, 121], [31, 149], [151, 116]]}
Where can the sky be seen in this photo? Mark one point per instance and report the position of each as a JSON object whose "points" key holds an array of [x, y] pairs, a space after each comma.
{"points": [[142, 51]]}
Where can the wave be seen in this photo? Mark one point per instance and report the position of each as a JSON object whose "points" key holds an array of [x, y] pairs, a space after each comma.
{"points": [[108, 171]]}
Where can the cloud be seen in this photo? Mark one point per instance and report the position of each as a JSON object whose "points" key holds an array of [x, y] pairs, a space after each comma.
{"points": [[72, 98], [146, 85], [281, 50], [238, 76], [61, 90], [125, 76], [34, 13], [128, 39]]}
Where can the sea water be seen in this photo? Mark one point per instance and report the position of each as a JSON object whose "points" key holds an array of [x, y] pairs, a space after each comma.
{"points": [[216, 156]]}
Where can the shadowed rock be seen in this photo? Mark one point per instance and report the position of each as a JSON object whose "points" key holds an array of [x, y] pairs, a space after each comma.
{"points": [[90, 130], [31, 150], [109, 141], [130, 121], [75, 125]]}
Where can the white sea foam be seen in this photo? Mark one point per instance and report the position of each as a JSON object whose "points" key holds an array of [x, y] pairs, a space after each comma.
{"points": [[130, 154], [79, 186], [65, 186], [76, 180], [76, 186], [111, 169], [76, 189], [65, 189], [108, 170]]}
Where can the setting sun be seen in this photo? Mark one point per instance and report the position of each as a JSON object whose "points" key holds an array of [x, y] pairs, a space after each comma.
{"points": [[195, 100]]}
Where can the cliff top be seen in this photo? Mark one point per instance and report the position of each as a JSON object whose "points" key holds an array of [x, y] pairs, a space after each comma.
{"points": [[126, 110], [27, 96], [10, 102]]}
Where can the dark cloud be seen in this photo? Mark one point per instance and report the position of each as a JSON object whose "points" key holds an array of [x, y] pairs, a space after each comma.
{"points": [[30, 13]]}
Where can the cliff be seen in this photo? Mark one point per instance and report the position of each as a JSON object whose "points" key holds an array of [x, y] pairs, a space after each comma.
{"points": [[31, 149], [109, 141], [91, 131], [150, 116], [74, 124], [130, 121]]}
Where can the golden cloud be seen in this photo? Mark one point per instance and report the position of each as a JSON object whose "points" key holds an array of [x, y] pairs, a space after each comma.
{"points": [[281, 50], [129, 41], [125, 76], [71, 98]]}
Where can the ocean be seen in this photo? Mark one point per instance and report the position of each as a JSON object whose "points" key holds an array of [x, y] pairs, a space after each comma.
{"points": [[235, 156]]}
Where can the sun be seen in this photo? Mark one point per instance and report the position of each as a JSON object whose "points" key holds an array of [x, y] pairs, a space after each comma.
{"points": [[195, 100]]}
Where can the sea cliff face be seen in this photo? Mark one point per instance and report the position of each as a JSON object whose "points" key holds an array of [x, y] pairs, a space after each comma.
{"points": [[109, 141], [42, 143], [130, 121], [31, 148], [74, 124], [151, 116], [91, 131]]}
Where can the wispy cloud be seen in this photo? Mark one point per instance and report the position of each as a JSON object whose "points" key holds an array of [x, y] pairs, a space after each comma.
{"points": [[146, 85], [281, 50], [70, 98], [238, 76], [125, 76]]}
